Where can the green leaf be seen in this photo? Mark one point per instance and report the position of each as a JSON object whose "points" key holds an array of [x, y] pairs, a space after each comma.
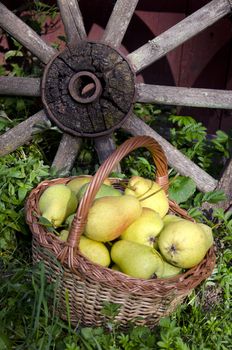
{"points": [[4, 342], [22, 192], [17, 70], [182, 189], [195, 213], [182, 120], [48, 224], [15, 173], [13, 53], [214, 196]]}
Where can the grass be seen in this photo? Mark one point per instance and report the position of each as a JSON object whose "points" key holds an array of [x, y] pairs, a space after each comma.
{"points": [[28, 320]]}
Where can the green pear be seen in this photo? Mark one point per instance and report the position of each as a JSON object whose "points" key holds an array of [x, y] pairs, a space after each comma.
{"points": [[56, 203], [64, 235], [208, 233], [145, 229], [94, 251], [103, 191], [110, 216], [170, 270], [150, 194], [137, 260], [76, 183], [183, 243], [171, 218]]}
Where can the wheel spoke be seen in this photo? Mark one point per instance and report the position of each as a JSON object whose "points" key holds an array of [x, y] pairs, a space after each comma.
{"points": [[178, 34], [72, 19], [176, 159], [182, 96], [19, 86], [25, 35], [104, 147], [67, 153], [119, 21], [21, 133]]}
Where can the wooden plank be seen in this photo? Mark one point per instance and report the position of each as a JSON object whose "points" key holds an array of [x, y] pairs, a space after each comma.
{"points": [[105, 147], [25, 35], [119, 21], [19, 86], [175, 158], [67, 152], [21, 134], [182, 96], [226, 117], [178, 34], [72, 20]]}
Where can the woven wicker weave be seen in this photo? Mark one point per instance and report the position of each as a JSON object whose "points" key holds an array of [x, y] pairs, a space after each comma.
{"points": [[89, 285]]}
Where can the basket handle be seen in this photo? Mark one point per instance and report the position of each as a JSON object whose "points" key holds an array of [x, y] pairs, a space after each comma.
{"points": [[103, 172]]}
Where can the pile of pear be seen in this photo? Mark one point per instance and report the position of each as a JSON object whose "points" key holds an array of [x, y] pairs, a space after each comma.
{"points": [[130, 231]]}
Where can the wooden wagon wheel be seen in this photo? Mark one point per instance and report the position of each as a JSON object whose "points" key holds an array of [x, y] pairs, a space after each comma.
{"points": [[88, 89]]}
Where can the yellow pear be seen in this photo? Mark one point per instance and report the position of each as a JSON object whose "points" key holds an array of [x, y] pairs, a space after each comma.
{"points": [[110, 216], [94, 251], [150, 194], [170, 270], [76, 183], [208, 233], [183, 243], [145, 229], [137, 260], [56, 203], [103, 191], [171, 218]]}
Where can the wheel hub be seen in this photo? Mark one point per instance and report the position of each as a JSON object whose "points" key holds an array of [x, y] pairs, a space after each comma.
{"points": [[88, 90]]}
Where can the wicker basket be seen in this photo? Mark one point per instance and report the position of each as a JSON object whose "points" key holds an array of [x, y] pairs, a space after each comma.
{"points": [[89, 285]]}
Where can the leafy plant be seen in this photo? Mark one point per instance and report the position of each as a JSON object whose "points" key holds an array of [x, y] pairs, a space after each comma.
{"points": [[191, 138], [19, 173]]}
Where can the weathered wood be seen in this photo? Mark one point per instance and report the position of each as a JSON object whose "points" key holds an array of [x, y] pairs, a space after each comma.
{"points": [[25, 35], [72, 20], [178, 34], [104, 147], [19, 86], [225, 184], [21, 134], [119, 21], [175, 158], [70, 103], [182, 96], [66, 153]]}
